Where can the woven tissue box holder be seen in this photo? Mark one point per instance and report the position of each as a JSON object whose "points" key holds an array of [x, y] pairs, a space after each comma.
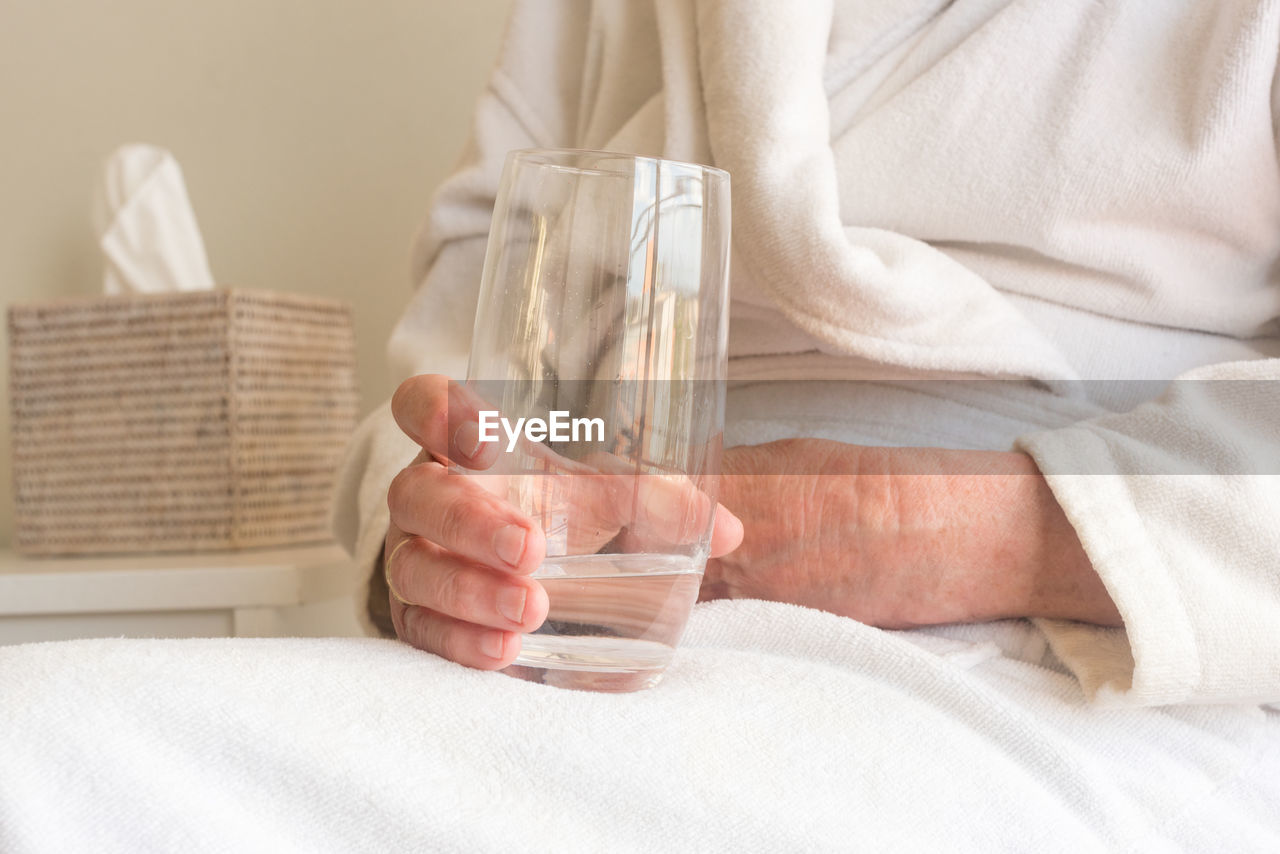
{"points": [[178, 422]]}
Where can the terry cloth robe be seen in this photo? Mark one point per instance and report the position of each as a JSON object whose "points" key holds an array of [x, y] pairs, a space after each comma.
{"points": [[1081, 198]]}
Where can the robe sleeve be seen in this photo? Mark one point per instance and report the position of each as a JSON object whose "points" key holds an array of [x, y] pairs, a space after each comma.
{"points": [[1177, 504]]}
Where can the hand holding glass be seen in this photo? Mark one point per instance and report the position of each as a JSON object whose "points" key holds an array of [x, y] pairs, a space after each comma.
{"points": [[597, 376]]}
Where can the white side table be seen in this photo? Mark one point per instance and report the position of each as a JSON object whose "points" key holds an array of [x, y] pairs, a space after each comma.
{"points": [[261, 593]]}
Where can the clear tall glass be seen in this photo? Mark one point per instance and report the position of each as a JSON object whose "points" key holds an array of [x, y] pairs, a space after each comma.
{"points": [[602, 323]]}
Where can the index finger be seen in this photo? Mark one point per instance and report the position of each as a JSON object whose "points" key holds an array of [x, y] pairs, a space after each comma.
{"points": [[443, 417]]}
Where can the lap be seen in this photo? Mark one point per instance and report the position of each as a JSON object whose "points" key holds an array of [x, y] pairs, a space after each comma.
{"points": [[775, 727]]}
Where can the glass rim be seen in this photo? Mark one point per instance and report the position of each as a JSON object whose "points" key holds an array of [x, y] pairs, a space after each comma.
{"points": [[548, 158]]}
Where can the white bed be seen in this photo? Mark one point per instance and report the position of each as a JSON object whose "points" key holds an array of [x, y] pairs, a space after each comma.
{"points": [[776, 729]]}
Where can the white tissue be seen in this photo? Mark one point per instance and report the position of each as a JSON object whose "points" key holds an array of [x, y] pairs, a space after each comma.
{"points": [[147, 230]]}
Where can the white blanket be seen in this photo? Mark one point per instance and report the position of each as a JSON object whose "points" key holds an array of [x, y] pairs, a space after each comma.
{"points": [[776, 728]]}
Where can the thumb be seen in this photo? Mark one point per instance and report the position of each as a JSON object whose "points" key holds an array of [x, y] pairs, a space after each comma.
{"points": [[726, 535]]}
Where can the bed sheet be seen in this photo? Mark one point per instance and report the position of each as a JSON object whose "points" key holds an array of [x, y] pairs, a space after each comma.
{"points": [[776, 728]]}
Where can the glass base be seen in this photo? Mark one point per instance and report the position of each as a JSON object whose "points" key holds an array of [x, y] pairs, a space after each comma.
{"points": [[613, 665]]}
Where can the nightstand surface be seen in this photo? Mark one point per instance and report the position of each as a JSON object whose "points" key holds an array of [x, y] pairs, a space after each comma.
{"points": [[241, 593]]}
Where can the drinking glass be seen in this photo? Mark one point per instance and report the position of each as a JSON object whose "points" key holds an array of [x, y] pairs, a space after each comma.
{"points": [[602, 323]]}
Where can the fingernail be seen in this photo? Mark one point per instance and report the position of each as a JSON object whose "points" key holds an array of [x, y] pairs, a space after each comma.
{"points": [[467, 438], [511, 603], [491, 643], [508, 543]]}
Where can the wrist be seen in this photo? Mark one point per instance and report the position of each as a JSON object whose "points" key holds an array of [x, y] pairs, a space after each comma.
{"points": [[1066, 585], [1000, 544]]}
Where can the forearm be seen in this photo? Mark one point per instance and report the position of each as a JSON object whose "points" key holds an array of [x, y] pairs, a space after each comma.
{"points": [[899, 537], [1020, 556]]}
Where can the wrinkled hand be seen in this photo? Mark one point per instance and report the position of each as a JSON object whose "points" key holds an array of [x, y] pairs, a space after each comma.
{"points": [[901, 537], [458, 556]]}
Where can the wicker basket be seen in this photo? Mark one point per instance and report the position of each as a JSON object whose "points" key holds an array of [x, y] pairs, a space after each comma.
{"points": [[180, 422]]}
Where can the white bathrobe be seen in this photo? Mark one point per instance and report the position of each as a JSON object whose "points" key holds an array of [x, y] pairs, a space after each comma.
{"points": [[1064, 194]]}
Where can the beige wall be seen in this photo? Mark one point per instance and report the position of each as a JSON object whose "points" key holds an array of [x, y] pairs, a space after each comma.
{"points": [[312, 133]]}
